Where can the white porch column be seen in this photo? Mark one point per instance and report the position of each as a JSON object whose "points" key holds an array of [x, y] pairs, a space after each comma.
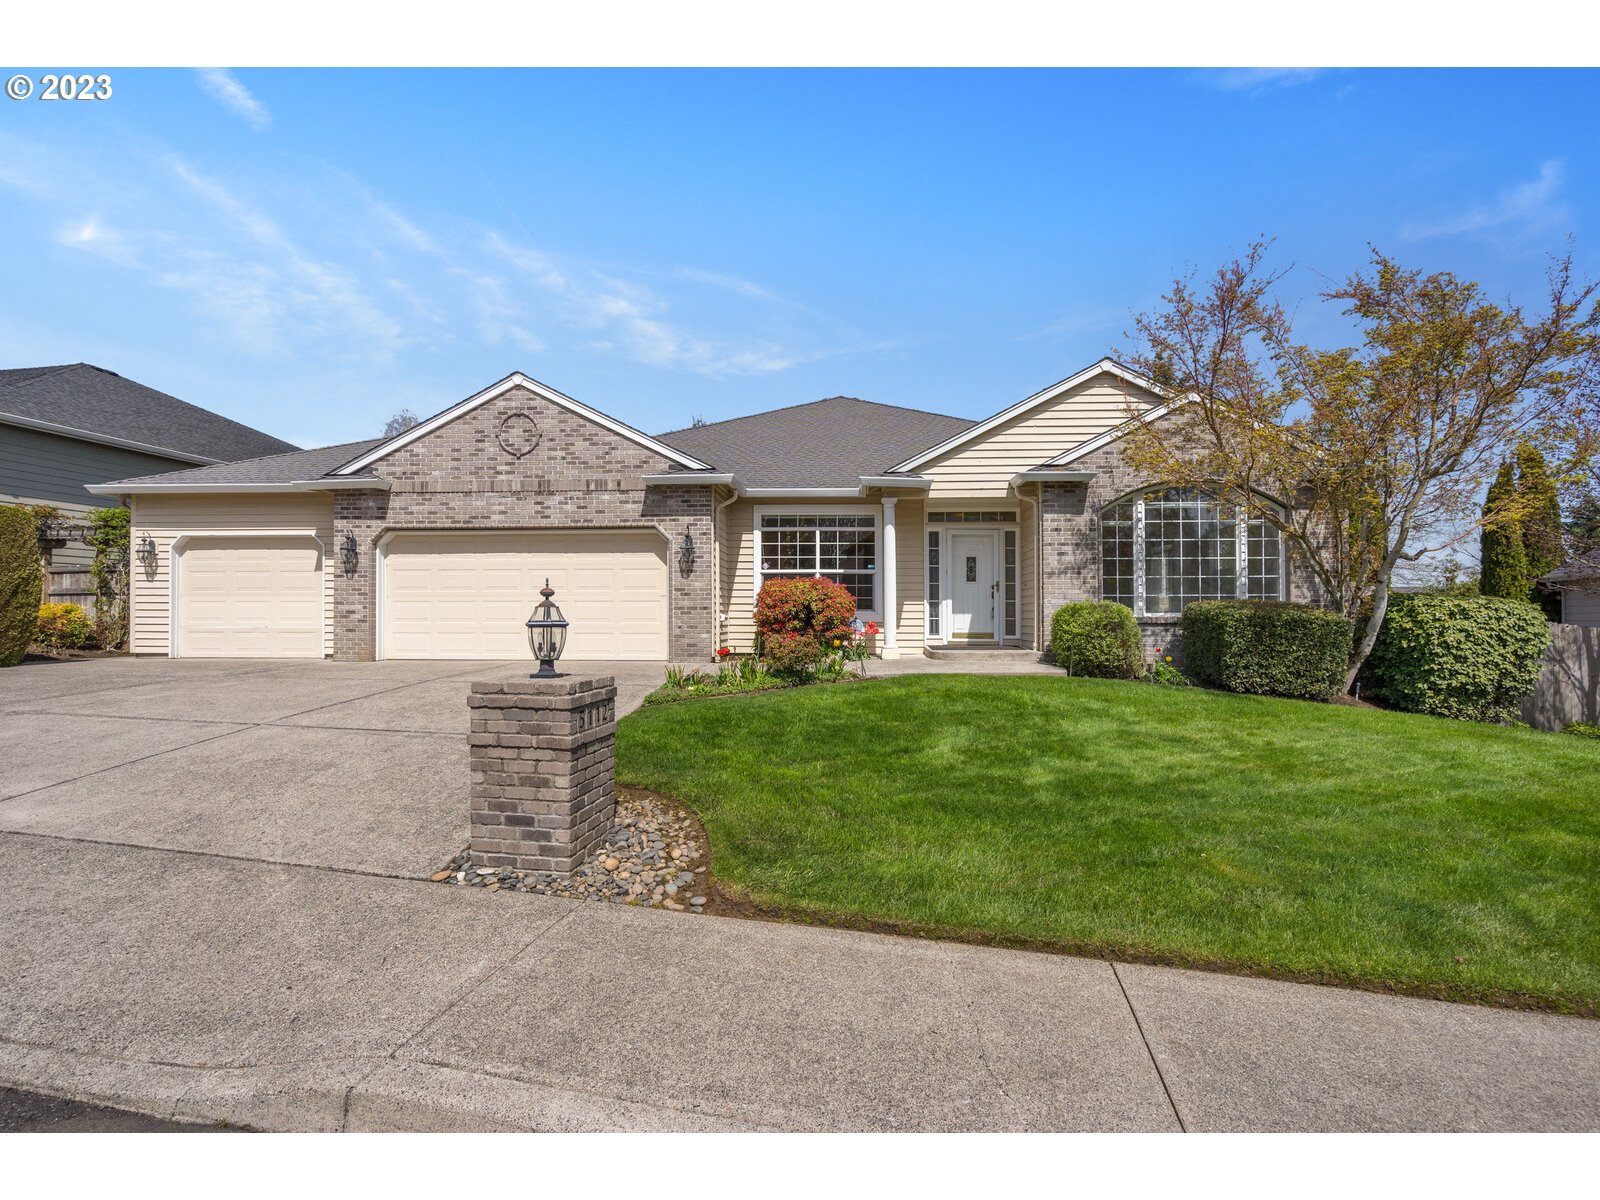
{"points": [[891, 596]]}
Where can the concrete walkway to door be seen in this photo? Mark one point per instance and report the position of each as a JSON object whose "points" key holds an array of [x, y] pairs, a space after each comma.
{"points": [[210, 877]]}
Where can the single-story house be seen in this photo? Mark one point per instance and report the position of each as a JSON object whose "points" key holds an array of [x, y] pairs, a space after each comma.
{"points": [[434, 543], [66, 427], [1579, 584]]}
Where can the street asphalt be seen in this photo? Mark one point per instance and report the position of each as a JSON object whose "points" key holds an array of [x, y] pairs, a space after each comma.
{"points": [[214, 876]]}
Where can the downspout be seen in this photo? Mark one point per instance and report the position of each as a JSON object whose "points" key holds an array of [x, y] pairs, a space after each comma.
{"points": [[1038, 560], [719, 618]]}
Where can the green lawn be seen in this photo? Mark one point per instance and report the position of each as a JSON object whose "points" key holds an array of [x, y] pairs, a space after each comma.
{"points": [[1305, 840]]}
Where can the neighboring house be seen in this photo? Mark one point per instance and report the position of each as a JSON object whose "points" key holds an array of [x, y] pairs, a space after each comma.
{"points": [[62, 428], [434, 543], [1579, 584]]}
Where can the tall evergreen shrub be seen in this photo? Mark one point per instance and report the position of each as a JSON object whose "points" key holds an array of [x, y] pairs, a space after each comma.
{"points": [[21, 583]]}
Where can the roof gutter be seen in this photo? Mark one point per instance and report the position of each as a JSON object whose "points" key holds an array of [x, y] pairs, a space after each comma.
{"points": [[920, 482], [84, 435], [369, 483], [1045, 475], [723, 479], [670, 478], [801, 493]]}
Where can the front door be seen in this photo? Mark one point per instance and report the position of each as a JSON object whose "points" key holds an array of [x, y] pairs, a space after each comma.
{"points": [[974, 587]]}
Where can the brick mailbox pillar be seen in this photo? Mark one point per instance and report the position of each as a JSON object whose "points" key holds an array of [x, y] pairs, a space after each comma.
{"points": [[543, 760]]}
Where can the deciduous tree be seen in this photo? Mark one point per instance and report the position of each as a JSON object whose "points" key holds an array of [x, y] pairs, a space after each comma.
{"points": [[1381, 451]]}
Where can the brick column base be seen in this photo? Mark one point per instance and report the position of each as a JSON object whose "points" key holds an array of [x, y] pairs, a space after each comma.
{"points": [[543, 758]]}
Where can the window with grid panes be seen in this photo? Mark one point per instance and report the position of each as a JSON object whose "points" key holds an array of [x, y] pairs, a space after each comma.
{"points": [[1170, 547], [842, 547]]}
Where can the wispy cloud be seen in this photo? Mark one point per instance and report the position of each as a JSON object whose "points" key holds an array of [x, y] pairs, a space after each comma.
{"points": [[1076, 323], [1524, 209], [226, 89], [632, 319], [1252, 80], [324, 291], [728, 283], [403, 229], [323, 273]]}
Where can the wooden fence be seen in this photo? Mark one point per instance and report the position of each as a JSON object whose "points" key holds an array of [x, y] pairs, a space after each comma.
{"points": [[70, 585], [1569, 688]]}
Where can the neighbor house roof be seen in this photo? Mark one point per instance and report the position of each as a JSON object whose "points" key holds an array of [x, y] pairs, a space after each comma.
{"points": [[826, 443], [92, 404], [1583, 569]]}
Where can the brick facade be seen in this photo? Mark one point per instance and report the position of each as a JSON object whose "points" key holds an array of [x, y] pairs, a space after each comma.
{"points": [[578, 475], [1069, 566], [543, 765]]}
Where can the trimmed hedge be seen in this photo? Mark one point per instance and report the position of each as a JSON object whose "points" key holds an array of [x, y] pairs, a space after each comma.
{"points": [[1266, 648], [1098, 639], [21, 583], [1473, 658]]}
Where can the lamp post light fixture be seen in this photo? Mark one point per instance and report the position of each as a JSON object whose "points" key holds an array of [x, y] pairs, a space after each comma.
{"points": [[547, 634], [349, 552]]}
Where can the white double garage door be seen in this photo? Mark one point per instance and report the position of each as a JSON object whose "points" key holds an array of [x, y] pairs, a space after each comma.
{"points": [[440, 595]]}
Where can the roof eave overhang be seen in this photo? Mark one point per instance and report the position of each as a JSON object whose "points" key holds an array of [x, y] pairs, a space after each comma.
{"points": [[707, 478], [366, 483], [864, 484], [85, 435], [920, 483], [1046, 476], [801, 493], [518, 379]]}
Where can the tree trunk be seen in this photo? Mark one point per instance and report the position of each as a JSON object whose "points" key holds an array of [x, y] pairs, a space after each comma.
{"points": [[1369, 638]]}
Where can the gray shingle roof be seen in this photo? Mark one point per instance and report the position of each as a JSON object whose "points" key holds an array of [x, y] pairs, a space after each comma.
{"points": [[1581, 570], [274, 468], [826, 443], [97, 402]]}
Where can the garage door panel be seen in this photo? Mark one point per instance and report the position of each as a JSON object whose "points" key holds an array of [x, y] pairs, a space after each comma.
{"points": [[468, 595], [250, 598]]}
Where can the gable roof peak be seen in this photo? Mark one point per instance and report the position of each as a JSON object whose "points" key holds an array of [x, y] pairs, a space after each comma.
{"points": [[493, 391], [1105, 365]]}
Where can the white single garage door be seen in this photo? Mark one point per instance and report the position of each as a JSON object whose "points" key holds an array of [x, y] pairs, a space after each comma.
{"points": [[250, 597], [469, 595]]}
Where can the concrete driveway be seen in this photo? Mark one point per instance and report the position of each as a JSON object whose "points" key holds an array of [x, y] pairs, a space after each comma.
{"points": [[358, 766], [213, 911]]}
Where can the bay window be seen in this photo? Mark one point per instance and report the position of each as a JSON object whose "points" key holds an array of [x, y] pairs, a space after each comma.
{"points": [[842, 547], [1169, 547]]}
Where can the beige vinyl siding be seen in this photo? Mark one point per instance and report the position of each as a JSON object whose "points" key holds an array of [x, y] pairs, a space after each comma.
{"points": [[735, 605], [736, 599], [911, 546], [164, 518], [983, 468]]}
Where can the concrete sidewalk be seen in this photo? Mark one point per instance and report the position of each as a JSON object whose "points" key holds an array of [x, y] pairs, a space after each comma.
{"points": [[279, 996]]}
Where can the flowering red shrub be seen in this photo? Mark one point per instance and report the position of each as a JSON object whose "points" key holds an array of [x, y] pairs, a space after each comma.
{"points": [[819, 607]]}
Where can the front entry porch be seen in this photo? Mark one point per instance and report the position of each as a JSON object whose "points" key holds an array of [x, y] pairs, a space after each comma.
{"points": [[974, 580]]}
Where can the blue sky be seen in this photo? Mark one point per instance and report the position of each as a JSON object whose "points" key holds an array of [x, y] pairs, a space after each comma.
{"points": [[309, 251]]}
